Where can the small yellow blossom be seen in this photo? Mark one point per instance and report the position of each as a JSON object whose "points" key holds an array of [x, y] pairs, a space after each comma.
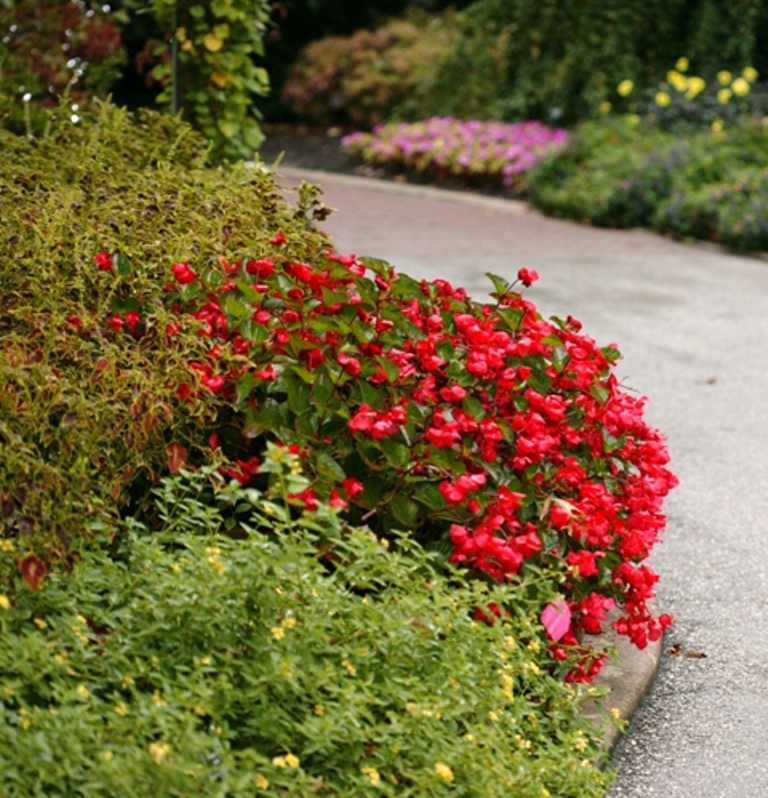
{"points": [[82, 691], [545, 793], [349, 667], [695, 86], [444, 771], [507, 683], [605, 107], [261, 781], [122, 710], [749, 73], [717, 125], [625, 88], [40, 623], [5, 604], [287, 761], [25, 720], [616, 713], [7, 545], [581, 743], [319, 710], [493, 716], [724, 77], [205, 661], [680, 82], [158, 700], [126, 682], [724, 96], [534, 646], [277, 632], [740, 87], [289, 623], [373, 775], [159, 751], [662, 99], [682, 64], [470, 738], [384, 542], [107, 756]]}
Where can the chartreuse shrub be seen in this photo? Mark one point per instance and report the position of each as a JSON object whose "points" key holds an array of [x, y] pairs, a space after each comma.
{"points": [[86, 417], [621, 173], [184, 661], [162, 317]]}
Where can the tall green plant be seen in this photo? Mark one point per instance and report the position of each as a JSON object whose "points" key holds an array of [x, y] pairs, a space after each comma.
{"points": [[211, 75]]}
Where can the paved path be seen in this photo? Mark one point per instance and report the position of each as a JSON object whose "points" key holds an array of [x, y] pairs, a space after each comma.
{"points": [[692, 323]]}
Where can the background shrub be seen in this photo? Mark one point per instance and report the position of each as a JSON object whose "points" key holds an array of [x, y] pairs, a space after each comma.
{"points": [[621, 173], [360, 79], [558, 61]]}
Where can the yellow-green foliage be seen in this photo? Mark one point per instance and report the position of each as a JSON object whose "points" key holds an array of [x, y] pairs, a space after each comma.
{"points": [[85, 420]]}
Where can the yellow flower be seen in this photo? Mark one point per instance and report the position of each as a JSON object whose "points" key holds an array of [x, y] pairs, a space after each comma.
{"points": [[159, 751], [625, 88], [682, 64], [373, 775], [319, 710], [662, 99], [212, 42], [605, 107], [287, 761], [277, 632], [289, 622], [260, 781], [740, 87], [122, 710], [724, 77], [445, 772], [695, 86], [5, 604], [749, 73], [7, 545], [220, 78], [126, 682], [724, 96], [107, 756], [40, 623], [82, 691], [349, 667], [680, 82], [717, 125]]}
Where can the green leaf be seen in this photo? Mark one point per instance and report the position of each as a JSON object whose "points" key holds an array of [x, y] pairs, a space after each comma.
{"points": [[328, 468], [253, 331], [299, 394], [398, 454], [322, 390], [473, 406], [511, 317], [501, 285], [540, 382], [390, 369], [236, 311], [244, 386], [122, 264], [381, 267], [428, 495], [405, 511]]}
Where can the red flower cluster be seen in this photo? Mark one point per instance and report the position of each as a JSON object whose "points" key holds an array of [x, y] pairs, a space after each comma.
{"points": [[416, 408]]}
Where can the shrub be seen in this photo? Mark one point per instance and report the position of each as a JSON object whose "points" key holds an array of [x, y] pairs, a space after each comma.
{"points": [[620, 173], [558, 61], [685, 103], [186, 662], [85, 421], [490, 155], [52, 46], [207, 329], [359, 80]]}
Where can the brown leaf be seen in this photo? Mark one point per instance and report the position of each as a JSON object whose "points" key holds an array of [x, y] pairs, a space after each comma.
{"points": [[33, 571], [177, 457], [695, 655]]}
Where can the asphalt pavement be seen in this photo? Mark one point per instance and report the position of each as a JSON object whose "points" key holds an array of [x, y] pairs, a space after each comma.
{"points": [[692, 323]]}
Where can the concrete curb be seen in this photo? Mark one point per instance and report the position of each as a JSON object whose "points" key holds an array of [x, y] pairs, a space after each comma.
{"points": [[628, 676]]}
